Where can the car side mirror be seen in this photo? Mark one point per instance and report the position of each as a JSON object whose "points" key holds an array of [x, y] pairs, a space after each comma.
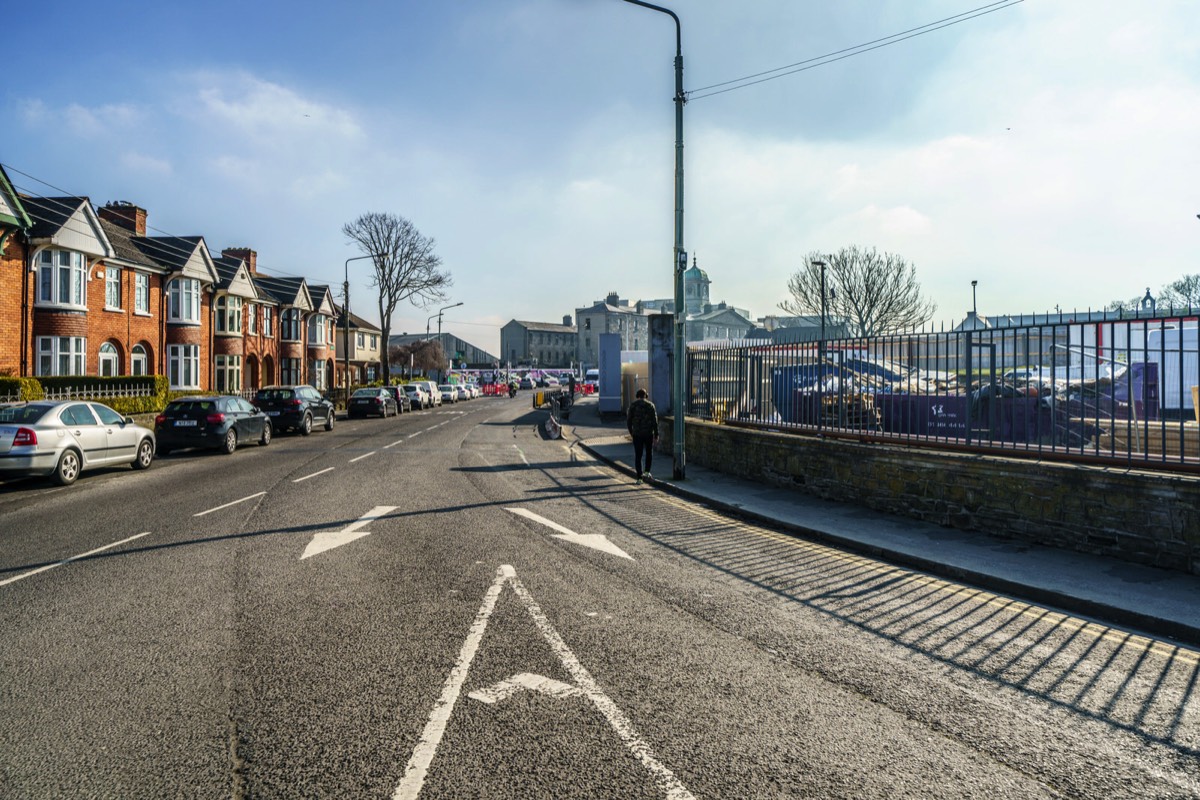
{"points": [[128, 420]]}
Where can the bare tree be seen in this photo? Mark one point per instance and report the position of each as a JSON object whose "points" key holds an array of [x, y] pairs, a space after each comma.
{"points": [[873, 293], [423, 354], [406, 266], [1183, 293]]}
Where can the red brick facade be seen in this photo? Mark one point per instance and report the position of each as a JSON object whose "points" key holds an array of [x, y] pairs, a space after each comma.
{"points": [[14, 281]]}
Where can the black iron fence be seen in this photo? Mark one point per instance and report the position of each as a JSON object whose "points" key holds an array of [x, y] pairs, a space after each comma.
{"points": [[1092, 389]]}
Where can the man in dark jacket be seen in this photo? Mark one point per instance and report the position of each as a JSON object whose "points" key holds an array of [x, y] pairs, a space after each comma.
{"points": [[642, 422]]}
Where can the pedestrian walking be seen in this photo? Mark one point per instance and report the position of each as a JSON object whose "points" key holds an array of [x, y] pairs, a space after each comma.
{"points": [[642, 422]]}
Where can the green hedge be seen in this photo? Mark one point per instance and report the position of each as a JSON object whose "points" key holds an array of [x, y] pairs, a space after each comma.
{"points": [[155, 401], [21, 388]]}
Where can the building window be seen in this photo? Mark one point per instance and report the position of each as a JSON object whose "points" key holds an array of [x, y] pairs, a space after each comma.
{"points": [[141, 293], [183, 303], [267, 322], [110, 362], [61, 355], [251, 319], [316, 329], [587, 324], [316, 371], [183, 366], [374, 342], [112, 287], [289, 325], [289, 370], [229, 314], [61, 278], [358, 340], [229, 374], [138, 361]]}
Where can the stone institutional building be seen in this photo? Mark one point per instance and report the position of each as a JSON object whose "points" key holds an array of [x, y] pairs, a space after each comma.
{"points": [[539, 344]]}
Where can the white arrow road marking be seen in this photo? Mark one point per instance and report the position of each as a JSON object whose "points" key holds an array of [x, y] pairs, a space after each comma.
{"points": [[596, 541], [327, 540], [431, 737], [522, 682]]}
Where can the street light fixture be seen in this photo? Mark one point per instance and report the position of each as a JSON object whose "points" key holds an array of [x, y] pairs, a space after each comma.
{"points": [[974, 309], [346, 320], [678, 383], [439, 319]]}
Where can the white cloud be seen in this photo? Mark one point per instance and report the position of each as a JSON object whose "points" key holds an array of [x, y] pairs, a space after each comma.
{"points": [[265, 110]]}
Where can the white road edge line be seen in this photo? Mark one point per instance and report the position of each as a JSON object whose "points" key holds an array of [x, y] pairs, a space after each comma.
{"points": [[24, 575], [364, 455], [227, 505], [522, 454], [315, 474], [418, 766]]}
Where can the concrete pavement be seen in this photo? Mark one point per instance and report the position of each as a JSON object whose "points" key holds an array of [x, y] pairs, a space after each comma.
{"points": [[1160, 602]]}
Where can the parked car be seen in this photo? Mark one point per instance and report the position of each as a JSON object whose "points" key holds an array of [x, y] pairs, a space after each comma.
{"points": [[374, 400], [295, 408], [62, 439], [464, 391], [418, 396], [526, 382], [435, 393], [398, 394], [449, 393], [221, 422]]}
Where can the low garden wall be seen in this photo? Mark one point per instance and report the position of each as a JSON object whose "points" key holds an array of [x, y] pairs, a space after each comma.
{"points": [[1145, 517]]}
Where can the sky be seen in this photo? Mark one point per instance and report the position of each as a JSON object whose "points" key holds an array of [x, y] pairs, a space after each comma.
{"points": [[1049, 150]]}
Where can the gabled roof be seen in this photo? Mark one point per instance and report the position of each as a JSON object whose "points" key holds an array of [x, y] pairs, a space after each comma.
{"points": [[183, 254], [357, 322], [12, 211], [285, 291], [67, 222], [322, 299], [234, 277]]}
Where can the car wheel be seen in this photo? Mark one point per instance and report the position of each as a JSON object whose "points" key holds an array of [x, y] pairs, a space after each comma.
{"points": [[328, 420], [266, 435], [229, 443], [68, 468], [145, 454], [306, 425]]}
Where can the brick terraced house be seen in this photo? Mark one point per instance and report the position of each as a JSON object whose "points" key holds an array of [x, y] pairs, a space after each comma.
{"points": [[85, 291]]}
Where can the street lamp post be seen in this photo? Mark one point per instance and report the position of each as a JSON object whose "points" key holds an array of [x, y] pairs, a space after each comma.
{"points": [[439, 319], [680, 260], [974, 309], [346, 321]]}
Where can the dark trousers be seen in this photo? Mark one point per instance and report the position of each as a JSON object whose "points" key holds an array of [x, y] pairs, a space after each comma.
{"points": [[642, 444]]}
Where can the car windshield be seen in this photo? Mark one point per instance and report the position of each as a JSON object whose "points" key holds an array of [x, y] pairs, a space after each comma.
{"points": [[445, 387], [181, 407], [23, 413], [408, 387], [365, 393]]}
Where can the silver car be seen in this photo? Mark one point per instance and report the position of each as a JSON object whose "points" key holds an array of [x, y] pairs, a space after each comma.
{"points": [[61, 439]]}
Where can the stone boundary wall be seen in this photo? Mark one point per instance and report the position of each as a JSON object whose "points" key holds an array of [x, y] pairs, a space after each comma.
{"points": [[1140, 516]]}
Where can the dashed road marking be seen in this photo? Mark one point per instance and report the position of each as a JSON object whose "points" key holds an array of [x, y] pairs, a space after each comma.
{"points": [[227, 505], [32, 572]]}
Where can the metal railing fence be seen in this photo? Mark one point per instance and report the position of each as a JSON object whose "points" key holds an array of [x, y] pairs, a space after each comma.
{"points": [[1106, 391]]}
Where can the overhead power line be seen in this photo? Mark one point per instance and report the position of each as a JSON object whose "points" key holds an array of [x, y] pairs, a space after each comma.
{"points": [[848, 52]]}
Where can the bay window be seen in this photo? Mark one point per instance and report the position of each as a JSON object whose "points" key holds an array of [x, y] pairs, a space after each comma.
{"points": [[289, 325], [62, 276], [183, 300], [316, 329], [229, 314], [183, 366], [61, 355]]}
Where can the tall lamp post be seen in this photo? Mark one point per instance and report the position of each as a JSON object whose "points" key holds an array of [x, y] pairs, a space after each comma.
{"points": [[439, 319], [346, 321], [680, 260], [974, 308]]}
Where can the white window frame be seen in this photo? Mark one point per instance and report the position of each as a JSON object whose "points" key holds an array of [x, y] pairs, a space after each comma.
{"points": [[62, 271], [252, 319], [139, 362], [228, 377], [112, 288], [316, 329], [183, 366], [62, 355], [141, 293], [316, 370], [289, 325], [228, 313], [267, 319], [183, 303], [109, 358]]}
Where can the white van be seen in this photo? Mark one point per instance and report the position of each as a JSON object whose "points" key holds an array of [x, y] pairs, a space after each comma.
{"points": [[435, 394]]}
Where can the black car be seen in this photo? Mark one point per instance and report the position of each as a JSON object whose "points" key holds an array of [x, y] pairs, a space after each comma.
{"points": [[221, 422], [295, 407], [375, 400], [403, 403]]}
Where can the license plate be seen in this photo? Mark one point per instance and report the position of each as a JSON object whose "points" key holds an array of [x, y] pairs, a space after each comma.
{"points": [[185, 423], [272, 413]]}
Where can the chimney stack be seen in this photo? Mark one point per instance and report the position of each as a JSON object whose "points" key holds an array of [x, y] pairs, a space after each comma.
{"points": [[567, 320], [245, 254], [127, 215]]}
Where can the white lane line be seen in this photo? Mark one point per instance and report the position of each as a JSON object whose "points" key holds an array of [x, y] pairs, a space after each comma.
{"points": [[393, 444], [364, 455], [25, 575], [418, 433], [431, 737], [620, 723], [315, 474], [227, 505], [522, 454]]}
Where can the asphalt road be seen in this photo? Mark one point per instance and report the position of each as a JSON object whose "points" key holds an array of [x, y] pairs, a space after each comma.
{"points": [[445, 604]]}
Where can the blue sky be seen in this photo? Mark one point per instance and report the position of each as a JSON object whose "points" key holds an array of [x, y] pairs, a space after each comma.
{"points": [[1049, 150]]}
